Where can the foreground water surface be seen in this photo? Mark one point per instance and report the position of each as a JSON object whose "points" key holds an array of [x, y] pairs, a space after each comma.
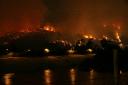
{"points": [[60, 74]]}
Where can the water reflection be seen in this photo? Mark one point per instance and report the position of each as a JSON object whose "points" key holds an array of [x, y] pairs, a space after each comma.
{"points": [[58, 77], [8, 78], [72, 76], [48, 76], [92, 76]]}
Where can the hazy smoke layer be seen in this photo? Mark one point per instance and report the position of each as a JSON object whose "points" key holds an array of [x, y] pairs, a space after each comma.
{"points": [[86, 16], [69, 16], [20, 14]]}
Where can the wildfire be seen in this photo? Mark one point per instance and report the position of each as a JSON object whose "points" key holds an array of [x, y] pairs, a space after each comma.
{"points": [[46, 27], [89, 36], [118, 37], [25, 30], [49, 28]]}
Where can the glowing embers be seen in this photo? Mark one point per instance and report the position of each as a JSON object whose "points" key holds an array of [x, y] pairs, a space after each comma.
{"points": [[8, 78]]}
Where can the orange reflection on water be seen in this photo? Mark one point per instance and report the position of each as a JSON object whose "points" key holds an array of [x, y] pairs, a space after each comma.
{"points": [[47, 76], [91, 77], [73, 76], [92, 74], [7, 78]]}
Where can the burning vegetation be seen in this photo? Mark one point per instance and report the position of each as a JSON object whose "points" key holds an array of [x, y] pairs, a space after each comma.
{"points": [[49, 28], [46, 27], [39, 39], [89, 36]]}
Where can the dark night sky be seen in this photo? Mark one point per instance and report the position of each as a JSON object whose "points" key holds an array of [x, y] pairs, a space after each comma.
{"points": [[67, 15]]}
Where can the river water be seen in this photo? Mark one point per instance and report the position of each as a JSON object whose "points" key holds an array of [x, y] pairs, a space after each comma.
{"points": [[59, 75]]}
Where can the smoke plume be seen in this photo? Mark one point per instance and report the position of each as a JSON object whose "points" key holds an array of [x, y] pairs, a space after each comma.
{"points": [[68, 16], [86, 16]]}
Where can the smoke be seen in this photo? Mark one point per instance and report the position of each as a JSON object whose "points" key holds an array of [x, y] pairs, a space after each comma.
{"points": [[68, 16], [16, 15], [86, 16]]}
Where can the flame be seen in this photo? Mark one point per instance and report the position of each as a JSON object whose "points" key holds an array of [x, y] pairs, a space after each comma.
{"points": [[117, 36], [89, 36], [86, 36], [46, 27], [49, 28]]}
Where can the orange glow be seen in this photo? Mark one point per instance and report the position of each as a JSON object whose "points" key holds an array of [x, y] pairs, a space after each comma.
{"points": [[104, 25], [25, 30], [47, 74], [92, 74], [89, 36], [105, 37], [73, 76], [114, 25], [86, 36], [7, 78], [49, 28], [118, 27], [117, 37]]}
